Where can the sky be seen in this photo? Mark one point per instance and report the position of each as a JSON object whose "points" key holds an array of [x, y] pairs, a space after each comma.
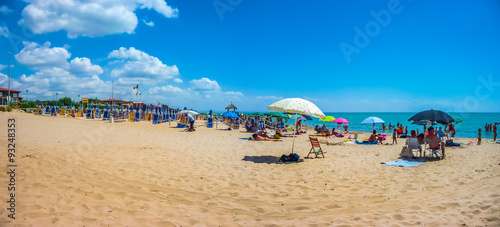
{"points": [[344, 56]]}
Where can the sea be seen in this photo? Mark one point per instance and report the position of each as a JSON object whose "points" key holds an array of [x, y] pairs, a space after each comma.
{"points": [[467, 129]]}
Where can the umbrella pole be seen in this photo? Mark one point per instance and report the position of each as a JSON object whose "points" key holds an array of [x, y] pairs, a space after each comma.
{"points": [[293, 140]]}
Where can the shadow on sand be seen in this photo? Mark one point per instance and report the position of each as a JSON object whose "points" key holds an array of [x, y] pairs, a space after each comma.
{"points": [[268, 159]]}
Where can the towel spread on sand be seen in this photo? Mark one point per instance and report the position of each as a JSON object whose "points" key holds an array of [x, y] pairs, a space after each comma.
{"points": [[403, 163], [367, 143]]}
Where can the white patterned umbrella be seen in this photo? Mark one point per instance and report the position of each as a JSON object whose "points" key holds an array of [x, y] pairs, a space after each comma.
{"points": [[297, 106]]}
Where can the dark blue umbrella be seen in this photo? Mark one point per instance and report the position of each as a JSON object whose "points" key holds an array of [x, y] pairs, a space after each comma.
{"points": [[434, 116], [424, 122]]}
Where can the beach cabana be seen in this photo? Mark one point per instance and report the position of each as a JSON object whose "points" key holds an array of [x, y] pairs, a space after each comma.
{"points": [[231, 106]]}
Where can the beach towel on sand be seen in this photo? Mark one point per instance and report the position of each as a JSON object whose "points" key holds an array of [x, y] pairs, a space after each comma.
{"points": [[367, 143], [403, 163]]}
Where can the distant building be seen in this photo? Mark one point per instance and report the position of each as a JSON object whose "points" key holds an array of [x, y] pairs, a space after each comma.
{"points": [[14, 96], [118, 102]]}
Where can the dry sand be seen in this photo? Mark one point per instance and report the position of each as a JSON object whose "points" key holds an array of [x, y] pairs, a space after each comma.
{"points": [[74, 172]]}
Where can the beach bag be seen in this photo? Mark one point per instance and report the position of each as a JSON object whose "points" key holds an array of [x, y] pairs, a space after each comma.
{"points": [[405, 152], [289, 158]]}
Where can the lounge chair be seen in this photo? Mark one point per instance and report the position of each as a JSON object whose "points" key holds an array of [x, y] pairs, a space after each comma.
{"points": [[315, 147], [413, 146]]}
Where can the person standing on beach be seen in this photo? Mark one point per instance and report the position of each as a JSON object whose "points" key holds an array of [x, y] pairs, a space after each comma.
{"points": [[191, 122], [394, 137], [479, 137], [452, 130], [495, 132], [440, 133]]}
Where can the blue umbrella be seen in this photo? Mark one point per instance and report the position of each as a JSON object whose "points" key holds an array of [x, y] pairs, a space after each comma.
{"points": [[230, 115], [372, 120]]}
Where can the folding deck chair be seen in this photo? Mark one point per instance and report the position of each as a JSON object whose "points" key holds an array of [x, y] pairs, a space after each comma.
{"points": [[413, 146], [315, 147], [434, 151]]}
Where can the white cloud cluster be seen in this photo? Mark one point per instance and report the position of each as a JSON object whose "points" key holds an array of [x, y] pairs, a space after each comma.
{"points": [[4, 31], [135, 66], [5, 10], [55, 73], [150, 24], [35, 56], [204, 84], [83, 66], [88, 18], [271, 97]]}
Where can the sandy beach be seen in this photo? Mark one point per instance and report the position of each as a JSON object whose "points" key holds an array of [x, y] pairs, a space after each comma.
{"points": [[78, 172]]}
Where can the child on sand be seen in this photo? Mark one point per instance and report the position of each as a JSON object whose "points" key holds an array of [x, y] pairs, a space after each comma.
{"points": [[394, 136]]}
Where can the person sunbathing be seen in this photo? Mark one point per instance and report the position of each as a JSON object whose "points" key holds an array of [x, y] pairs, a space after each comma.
{"points": [[434, 142], [280, 133], [375, 137], [256, 137], [324, 129], [263, 133]]}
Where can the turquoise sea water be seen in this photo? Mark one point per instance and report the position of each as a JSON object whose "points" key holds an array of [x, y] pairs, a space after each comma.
{"points": [[467, 129]]}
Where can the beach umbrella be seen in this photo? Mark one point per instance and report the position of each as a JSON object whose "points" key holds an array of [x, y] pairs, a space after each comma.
{"points": [[457, 119], [277, 114], [230, 115], [188, 112], [256, 114], [424, 122], [433, 115], [340, 120], [372, 120], [296, 106], [328, 118]]}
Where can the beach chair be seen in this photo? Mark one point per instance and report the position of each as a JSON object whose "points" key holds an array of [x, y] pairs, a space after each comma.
{"points": [[413, 146], [315, 147], [433, 151]]}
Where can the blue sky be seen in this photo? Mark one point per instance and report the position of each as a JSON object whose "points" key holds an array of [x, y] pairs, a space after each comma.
{"points": [[375, 56]]}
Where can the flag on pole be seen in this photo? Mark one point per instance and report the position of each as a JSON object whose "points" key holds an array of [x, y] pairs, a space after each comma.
{"points": [[136, 88]]}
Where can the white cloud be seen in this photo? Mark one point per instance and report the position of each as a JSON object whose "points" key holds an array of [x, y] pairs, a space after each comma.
{"points": [[3, 79], [164, 89], [88, 18], [271, 97], [150, 24], [139, 67], [36, 56], [177, 80], [4, 31], [83, 66], [50, 80], [204, 84], [2, 67], [5, 10]]}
